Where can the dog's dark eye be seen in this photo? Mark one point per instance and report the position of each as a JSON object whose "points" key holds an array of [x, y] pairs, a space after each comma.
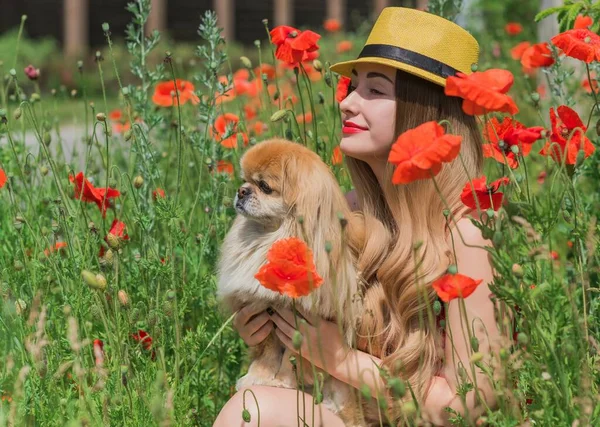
{"points": [[265, 187]]}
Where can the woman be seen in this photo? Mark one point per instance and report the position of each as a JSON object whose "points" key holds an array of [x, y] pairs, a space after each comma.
{"points": [[397, 83]]}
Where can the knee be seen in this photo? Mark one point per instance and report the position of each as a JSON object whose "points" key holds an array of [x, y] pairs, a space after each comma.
{"points": [[232, 413]]}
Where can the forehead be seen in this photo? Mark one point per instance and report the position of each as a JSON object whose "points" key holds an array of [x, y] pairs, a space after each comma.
{"points": [[361, 70]]}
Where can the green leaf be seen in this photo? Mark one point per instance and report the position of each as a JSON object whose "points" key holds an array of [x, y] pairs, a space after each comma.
{"points": [[545, 13]]}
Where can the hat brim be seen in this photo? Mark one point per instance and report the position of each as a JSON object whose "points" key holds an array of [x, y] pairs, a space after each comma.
{"points": [[345, 68]]}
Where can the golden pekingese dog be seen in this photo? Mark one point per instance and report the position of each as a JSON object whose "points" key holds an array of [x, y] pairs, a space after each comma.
{"points": [[283, 182]]}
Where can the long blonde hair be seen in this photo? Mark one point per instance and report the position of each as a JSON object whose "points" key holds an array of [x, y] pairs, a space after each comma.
{"points": [[395, 326]]}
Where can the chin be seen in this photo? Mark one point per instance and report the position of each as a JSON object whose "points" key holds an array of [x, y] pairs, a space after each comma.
{"points": [[283, 181]]}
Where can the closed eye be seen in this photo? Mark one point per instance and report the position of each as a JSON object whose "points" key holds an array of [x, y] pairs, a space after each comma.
{"points": [[376, 92]]}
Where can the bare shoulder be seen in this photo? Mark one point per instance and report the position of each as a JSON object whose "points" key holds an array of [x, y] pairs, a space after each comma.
{"points": [[352, 200]]}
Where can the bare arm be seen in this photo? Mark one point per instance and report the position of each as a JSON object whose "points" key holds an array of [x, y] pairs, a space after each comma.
{"points": [[472, 262]]}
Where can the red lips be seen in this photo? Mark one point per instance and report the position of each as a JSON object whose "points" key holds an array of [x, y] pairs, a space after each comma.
{"points": [[350, 127]]}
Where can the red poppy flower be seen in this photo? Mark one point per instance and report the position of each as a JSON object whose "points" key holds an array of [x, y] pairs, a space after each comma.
{"points": [[58, 246], [566, 124], [513, 28], [483, 92], [146, 340], [31, 72], [85, 191], [259, 128], [452, 286], [344, 46], [580, 44], [342, 88], [98, 351], [119, 124], [337, 156], [305, 118], [537, 55], [290, 269], [159, 192], [2, 178], [517, 51], [165, 96], [267, 69], [541, 177], [582, 22], [332, 25], [249, 112], [117, 229], [419, 152], [293, 45], [510, 132], [224, 166], [226, 127], [487, 195]]}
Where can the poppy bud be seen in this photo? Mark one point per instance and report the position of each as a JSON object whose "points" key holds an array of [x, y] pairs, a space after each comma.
{"points": [[246, 415], [317, 65], [365, 391], [321, 98], [20, 306], [328, 247], [476, 357], [514, 149], [171, 295], [278, 115], [101, 117], [138, 181], [44, 170], [409, 408], [35, 97], [517, 270], [246, 62], [292, 360], [12, 72], [17, 113], [328, 79], [437, 307], [498, 238], [123, 298], [452, 269], [46, 138], [289, 134], [31, 72], [398, 388], [535, 97], [474, 343], [92, 280], [113, 241], [105, 27], [257, 43], [522, 338], [297, 340], [127, 135]]}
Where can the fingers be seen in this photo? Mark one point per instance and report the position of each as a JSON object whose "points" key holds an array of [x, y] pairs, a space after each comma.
{"points": [[288, 316], [244, 315], [283, 325], [260, 335], [256, 323], [287, 341]]}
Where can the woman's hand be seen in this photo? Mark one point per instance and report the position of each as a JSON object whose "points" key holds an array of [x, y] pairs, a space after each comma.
{"points": [[322, 342], [253, 326]]}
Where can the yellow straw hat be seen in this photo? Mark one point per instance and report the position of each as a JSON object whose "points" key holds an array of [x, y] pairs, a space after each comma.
{"points": [[417, 42]]}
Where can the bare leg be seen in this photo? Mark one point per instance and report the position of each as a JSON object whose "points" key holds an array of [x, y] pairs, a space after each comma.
{"points": [[278, 407]]}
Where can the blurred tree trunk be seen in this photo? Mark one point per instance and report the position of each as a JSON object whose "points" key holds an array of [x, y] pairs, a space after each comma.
{"points": [[378, 5], [158, 16], [75, 36], [225, 13], [548, 27], [283, 13], [335, 10]]}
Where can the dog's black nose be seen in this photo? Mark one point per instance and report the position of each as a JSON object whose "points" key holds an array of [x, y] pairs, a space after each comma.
{"points": [[243, 192]]}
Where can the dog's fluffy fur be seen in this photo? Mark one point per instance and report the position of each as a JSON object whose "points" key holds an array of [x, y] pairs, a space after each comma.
{"points": [[283, 182]]}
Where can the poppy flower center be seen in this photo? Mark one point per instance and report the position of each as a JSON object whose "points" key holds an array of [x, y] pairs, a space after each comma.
{"points": [[564, 131], [293, 34]]}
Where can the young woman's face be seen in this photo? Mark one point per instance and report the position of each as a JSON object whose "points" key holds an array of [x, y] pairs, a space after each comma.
{"points": [[369, 113]]}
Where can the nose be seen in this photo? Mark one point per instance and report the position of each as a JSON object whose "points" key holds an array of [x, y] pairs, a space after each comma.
{"points": [[243, 192], [350, 105]]}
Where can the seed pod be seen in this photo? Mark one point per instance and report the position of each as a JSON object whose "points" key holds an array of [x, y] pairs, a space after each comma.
{"points": [[17, 113], [101, 117], [246, 415]]}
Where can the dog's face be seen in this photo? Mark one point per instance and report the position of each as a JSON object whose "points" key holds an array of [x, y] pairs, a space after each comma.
{"points": [[265, 170]]}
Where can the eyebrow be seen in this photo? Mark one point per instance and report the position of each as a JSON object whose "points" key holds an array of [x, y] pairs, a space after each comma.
{"points": [[373, 74]]}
